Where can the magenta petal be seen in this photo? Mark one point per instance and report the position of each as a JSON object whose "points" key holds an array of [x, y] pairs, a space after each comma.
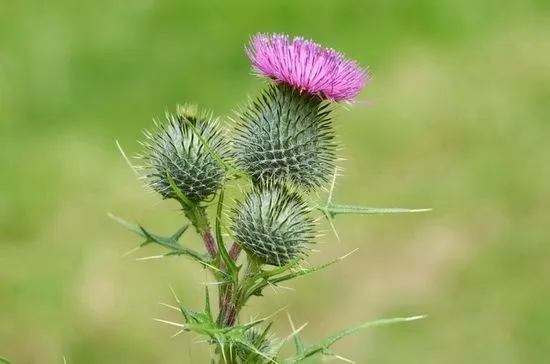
{"points": [[306, 66]]}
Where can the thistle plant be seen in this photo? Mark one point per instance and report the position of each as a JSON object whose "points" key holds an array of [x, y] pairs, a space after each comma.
{"points": [[280, 151]]}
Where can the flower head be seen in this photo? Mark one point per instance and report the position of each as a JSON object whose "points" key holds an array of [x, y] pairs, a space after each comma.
{"points": [[256, 346], [272, 224], [286, 136], [307, 66], [174, 150]]}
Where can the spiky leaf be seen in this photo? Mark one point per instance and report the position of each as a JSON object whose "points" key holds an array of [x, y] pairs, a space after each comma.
{"points": [[323, 347]]}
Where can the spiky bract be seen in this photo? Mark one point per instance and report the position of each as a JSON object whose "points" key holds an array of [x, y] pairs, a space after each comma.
{"points": [[272, 224], [286, 136], [256, 347], [174, 149]]}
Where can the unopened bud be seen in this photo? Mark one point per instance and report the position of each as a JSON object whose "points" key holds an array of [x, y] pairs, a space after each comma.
{"points": [[174, 149], [273, 225]]}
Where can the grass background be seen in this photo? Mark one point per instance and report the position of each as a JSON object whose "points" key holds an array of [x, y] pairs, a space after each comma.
{"points": [[458, 120]]}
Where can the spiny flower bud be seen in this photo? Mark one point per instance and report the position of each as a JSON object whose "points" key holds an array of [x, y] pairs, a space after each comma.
{"points": [[256, 348], [174, 149], [272, 224], [286, 136]]}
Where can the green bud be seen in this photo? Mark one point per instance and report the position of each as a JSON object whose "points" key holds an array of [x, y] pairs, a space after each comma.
{"points": [[272, 224], [256, 348], [286, 136], [174, 149]]}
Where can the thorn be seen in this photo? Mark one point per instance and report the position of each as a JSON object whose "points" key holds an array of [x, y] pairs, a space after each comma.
{"points": [[298, 330], [169, 306], [210, 283], [170, 323], [212, 267], [274, 313], [329, 200], [291, 322], [134, 169], [343, 359], [177, 333], [331, 223], [131, 251], [287, 288], [420, 210], [348, 254], [175, 296], [273, 287], [222, 349], [414, 318], [150, 257]]}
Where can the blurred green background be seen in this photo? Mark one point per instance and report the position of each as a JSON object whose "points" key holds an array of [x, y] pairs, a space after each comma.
{"points": [[458, 120]]}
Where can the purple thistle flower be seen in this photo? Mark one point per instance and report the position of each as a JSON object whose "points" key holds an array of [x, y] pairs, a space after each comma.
{"points": [[307, 66]]}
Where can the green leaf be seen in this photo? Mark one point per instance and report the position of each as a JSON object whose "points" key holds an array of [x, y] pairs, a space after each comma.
{"points": [[264, 333], [193, 317], [164, 241], [254, 352], [324, 346], [306, 271], [330, 210], [4, 360], [128, 225], [186, 203], [226, 258], [207, 310], [169, 242], [275, 276], [294, 335], [228, 268], [298, 342], [213, 153]]}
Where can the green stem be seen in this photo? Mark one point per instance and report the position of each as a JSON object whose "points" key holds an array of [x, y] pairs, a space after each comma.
{"points": [[238, 298], [197, 215], [228, 314]]}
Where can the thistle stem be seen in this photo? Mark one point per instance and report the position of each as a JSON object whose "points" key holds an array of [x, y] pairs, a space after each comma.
{"points": [[209, 242], [235, 298], [228, 312], [235, 251], [230, 308], [197, 215]]}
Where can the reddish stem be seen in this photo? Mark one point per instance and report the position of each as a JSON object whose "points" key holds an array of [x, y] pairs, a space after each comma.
{"points": [[226, 305], [209, 242], [235, 251], [230, 311]]}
